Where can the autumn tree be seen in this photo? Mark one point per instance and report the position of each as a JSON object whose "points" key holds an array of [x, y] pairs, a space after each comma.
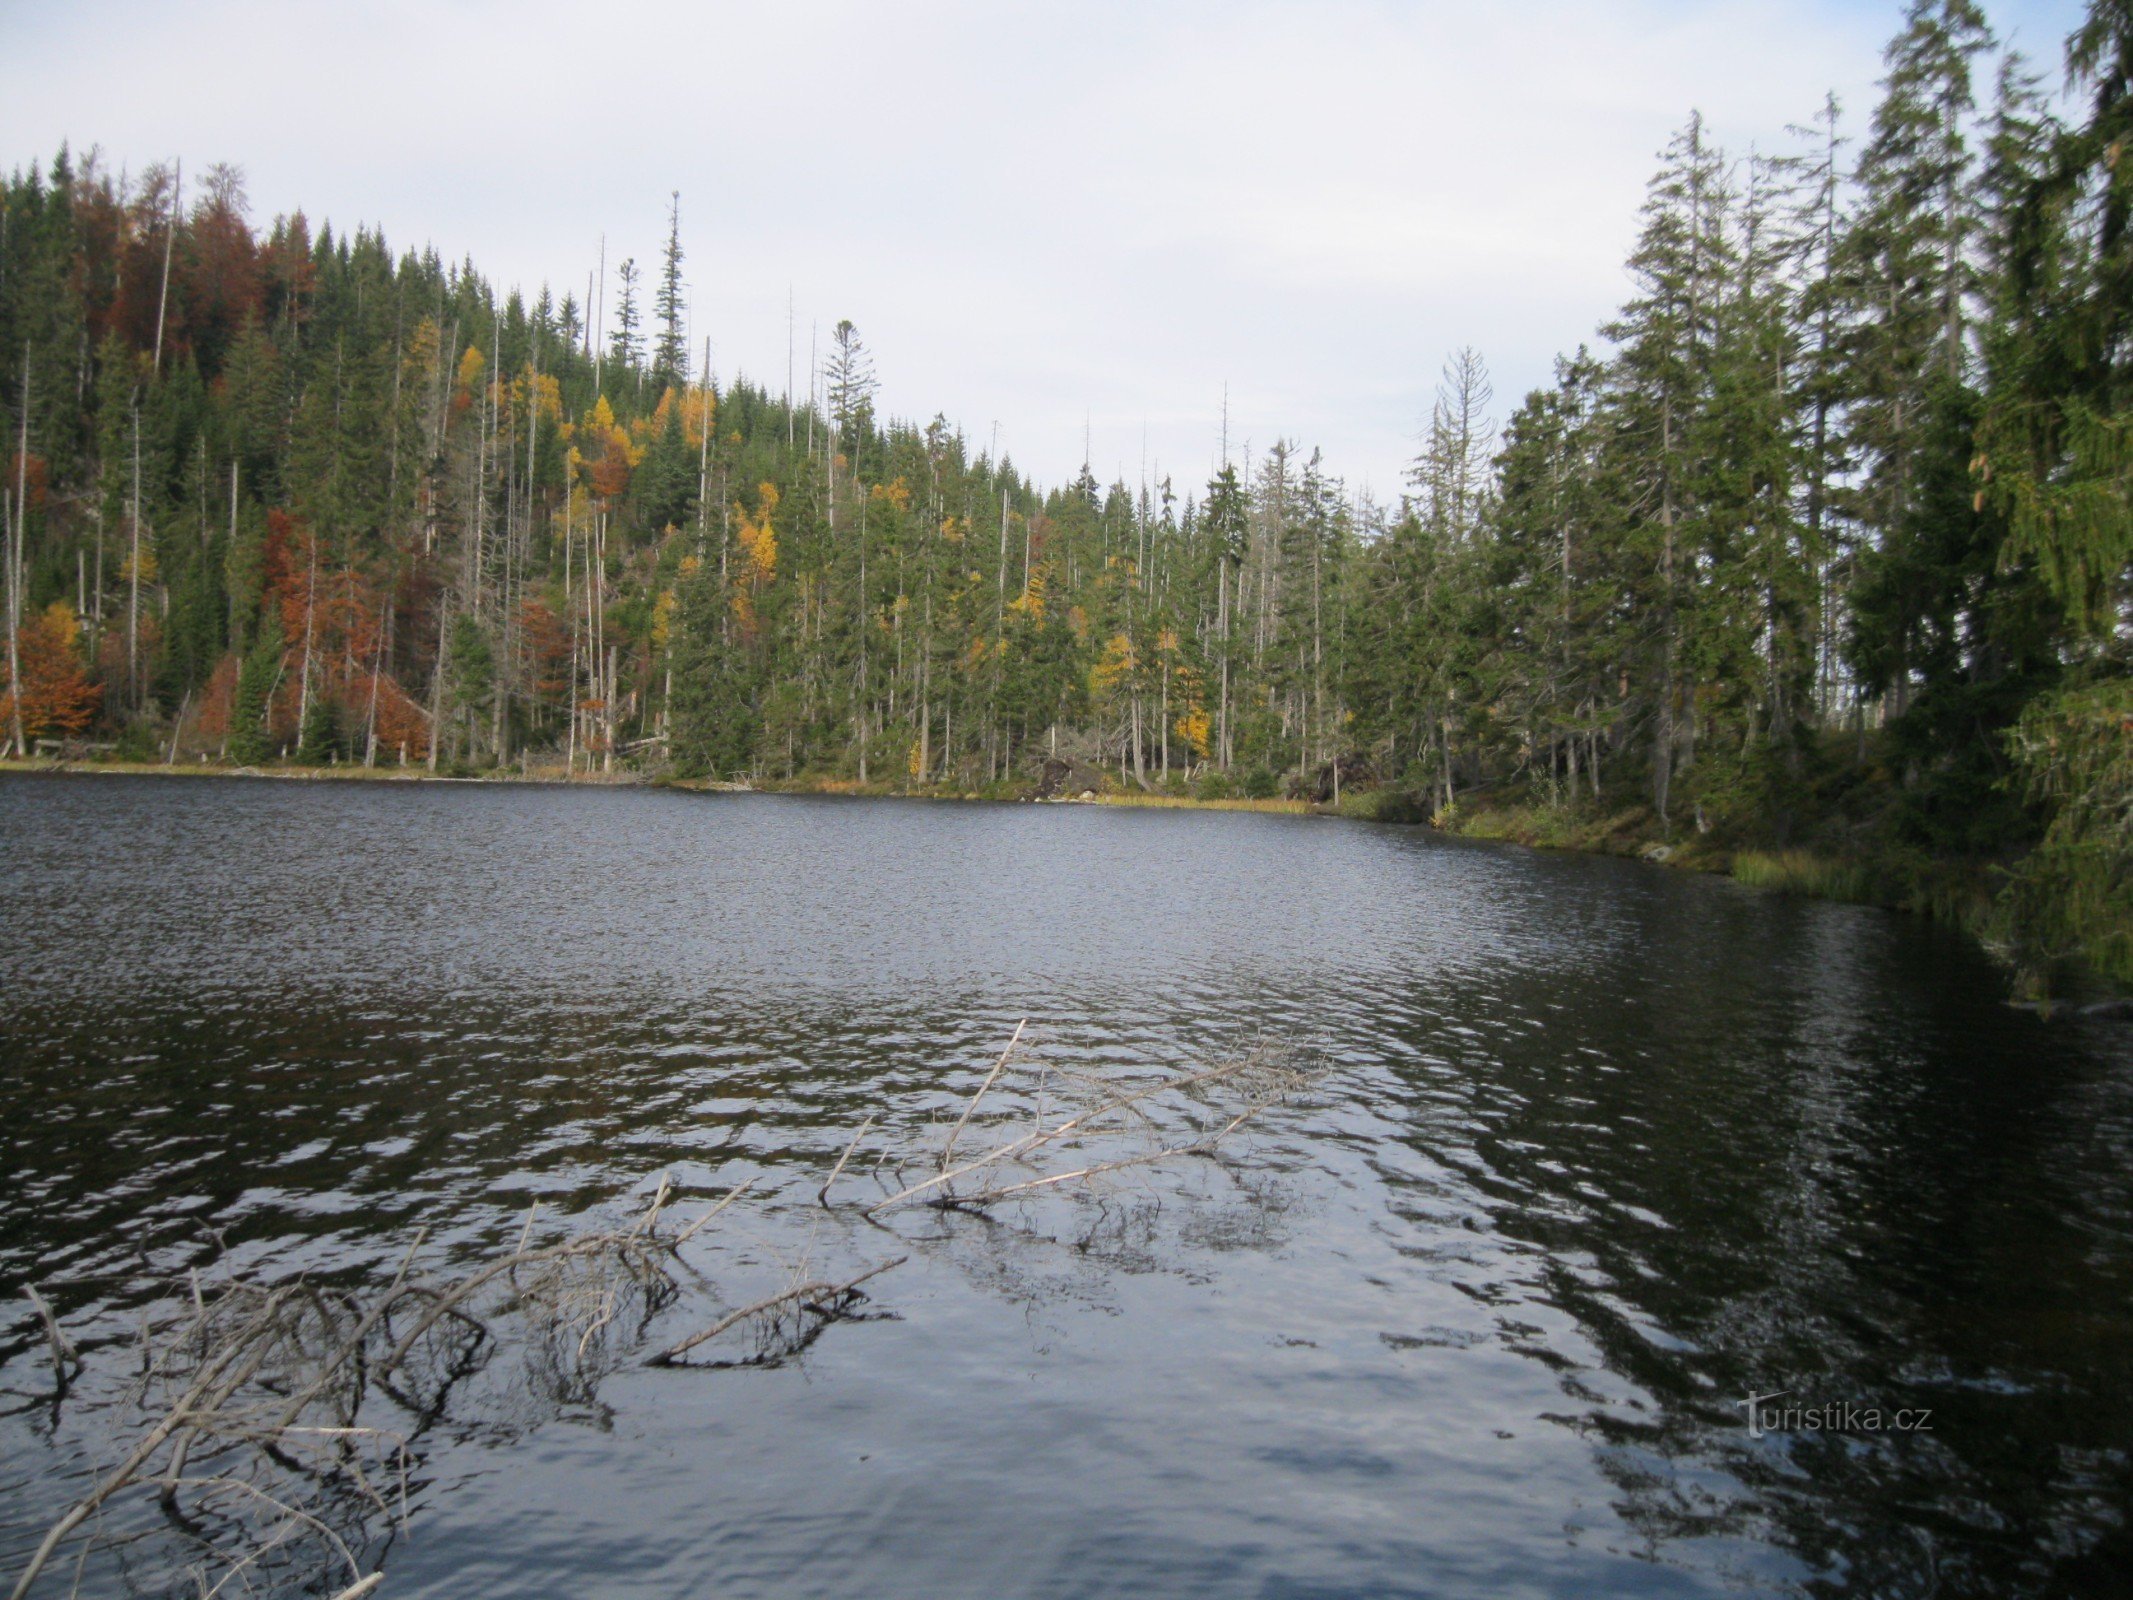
{"points": [[51, 692]]}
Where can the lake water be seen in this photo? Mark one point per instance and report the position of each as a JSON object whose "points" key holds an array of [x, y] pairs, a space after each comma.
{"points": [[1605, 1149]]}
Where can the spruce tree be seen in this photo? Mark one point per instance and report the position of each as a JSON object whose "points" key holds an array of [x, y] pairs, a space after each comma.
{"points": [[251, 740], [1907, 264], [1560, 565], [1753, 644], [626, 349], [1812, 227], [670, 352], [1658, 385], [2056, 459], [850, 382]]}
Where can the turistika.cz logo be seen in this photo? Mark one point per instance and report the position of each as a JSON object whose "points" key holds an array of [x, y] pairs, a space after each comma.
{"points": [[1833, 1417]]}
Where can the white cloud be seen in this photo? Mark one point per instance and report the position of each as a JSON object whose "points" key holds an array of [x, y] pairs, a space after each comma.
{"points": [[1036, 214]]}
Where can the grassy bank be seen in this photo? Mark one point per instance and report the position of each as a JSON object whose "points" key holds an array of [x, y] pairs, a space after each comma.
{"points": [[1186, 802], [1964, 894]]}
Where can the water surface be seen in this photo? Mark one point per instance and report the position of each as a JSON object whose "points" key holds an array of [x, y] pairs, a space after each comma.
{"points": [[1606, 1149]]}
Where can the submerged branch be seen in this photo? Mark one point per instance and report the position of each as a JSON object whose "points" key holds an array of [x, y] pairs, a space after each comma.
{"points": [[824, 1299], [1159, 1114], [260, 1436]]}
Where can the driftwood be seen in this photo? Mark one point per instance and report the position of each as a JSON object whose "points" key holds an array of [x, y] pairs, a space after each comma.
{"points": [[262, 1440], [65, 1357], [1120, 1125], [822, 1299], [257, 1395]]}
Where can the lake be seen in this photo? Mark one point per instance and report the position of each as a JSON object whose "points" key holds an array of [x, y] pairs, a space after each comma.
{"points": [[1602, 1150]]}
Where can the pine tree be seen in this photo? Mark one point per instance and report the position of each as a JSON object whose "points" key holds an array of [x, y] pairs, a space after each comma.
{"points": [[626, 349], [1659, 383], [1809, 243], [1227, 521], [670, 354], [1450, 478], [2056, 459], [850, 384], [1905, 258]]}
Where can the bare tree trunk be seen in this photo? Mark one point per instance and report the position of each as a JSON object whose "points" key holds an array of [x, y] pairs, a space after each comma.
{"points": [[170, 235], [19, 523], [444, 618], [999, 639], [303, 696], [862, 696], [14, 626], [570, 688], [1222, 627], [607, 758], [133, 586], [598, 334]]}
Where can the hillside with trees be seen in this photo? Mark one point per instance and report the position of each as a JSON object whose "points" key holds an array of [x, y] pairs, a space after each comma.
{"points": [[1825, 542]]}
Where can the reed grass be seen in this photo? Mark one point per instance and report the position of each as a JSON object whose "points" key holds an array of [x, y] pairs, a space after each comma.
{"points": [[1804, 872], [1186, 802]]}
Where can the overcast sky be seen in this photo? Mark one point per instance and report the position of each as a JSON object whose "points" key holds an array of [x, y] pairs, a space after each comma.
{"points": [[1042, 218]]}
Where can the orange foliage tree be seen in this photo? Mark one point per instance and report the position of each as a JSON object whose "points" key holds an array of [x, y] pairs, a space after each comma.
{"points": [[212, 721], [54, 694]]}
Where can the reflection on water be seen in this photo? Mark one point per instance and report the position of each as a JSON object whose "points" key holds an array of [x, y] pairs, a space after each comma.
{"points": [[1609, 1149]]}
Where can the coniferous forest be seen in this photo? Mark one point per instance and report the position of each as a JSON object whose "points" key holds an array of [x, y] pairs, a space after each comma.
{"points": [[1823, 542]]}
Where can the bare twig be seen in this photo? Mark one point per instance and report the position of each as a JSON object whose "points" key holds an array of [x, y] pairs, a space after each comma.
{"points": [[948, 1149], [696, 1227], [64, 1354], [255, 1399], [1198, 1147], [822, 1194], [1268, 1083], [202, 1393], [828, 1293]]}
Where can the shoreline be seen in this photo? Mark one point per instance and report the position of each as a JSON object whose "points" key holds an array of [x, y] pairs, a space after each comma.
{"points": [[1626, 834], [288, 772]]}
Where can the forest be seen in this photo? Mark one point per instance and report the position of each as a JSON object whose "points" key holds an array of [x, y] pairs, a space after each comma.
{"points": [[1824, 542]]}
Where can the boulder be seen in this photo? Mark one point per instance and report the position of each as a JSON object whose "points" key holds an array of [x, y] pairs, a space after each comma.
{"points": [[1064, 779]]}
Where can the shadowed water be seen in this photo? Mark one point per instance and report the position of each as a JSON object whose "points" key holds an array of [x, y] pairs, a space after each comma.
{"points": [[1607, 1148]]}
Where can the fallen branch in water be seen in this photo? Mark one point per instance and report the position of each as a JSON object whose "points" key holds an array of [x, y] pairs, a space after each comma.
{"points": [[823, 1299], [262, 1442], [257, 1393], [1185, 1114], [948, 1147], [64, 1354]]}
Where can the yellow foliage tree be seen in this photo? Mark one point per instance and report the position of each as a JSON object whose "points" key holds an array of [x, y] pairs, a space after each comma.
{"points": [[1193, 727], [758, 540], [470, 370], [1113, 668], [1030, 602], [699, 411]]}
